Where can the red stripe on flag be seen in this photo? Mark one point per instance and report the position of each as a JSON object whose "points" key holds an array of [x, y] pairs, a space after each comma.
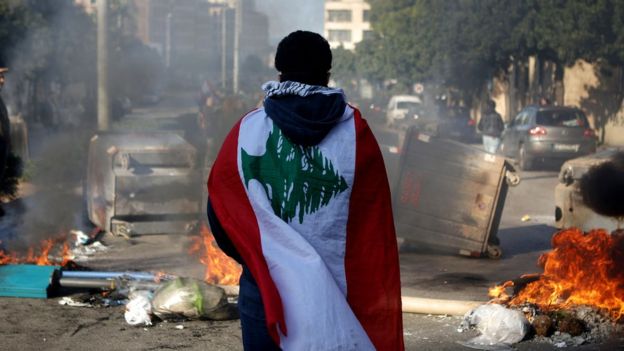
{"points": [[371, 259], [231, 204]]}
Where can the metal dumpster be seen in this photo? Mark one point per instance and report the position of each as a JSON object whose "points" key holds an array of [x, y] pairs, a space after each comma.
{"points": [[450, 196], [143, 183]]}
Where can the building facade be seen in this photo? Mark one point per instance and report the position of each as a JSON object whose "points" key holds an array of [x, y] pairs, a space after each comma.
{"points": [[203, 34], [347, 22]]}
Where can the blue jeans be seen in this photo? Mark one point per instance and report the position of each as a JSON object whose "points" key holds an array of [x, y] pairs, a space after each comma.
{"points": [[253, 322], [491, 143]]}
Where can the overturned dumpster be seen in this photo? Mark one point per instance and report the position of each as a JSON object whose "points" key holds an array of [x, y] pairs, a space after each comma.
{"points": [[143, 183], [450, 196]]}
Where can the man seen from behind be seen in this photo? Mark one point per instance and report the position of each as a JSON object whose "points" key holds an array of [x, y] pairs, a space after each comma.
{"points": [[299, 196]]}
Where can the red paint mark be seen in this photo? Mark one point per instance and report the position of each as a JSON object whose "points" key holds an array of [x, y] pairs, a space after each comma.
{"points": [[410, 189]]}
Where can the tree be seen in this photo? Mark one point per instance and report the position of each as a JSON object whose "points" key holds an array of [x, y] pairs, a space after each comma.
{"points": [[463, 43], [455, 43], [13, 27]]}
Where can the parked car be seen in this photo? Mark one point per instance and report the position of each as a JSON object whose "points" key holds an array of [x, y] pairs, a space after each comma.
{"points": [[455, 123], [540, 133], [404, 110], [570, 211], [373, 110]]}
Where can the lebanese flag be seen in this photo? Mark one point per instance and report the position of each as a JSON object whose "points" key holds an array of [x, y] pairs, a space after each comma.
{"points": [[314, 225]]}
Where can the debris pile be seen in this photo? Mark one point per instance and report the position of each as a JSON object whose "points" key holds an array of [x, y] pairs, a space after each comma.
{"points": [[148, 295], [579, 298], [571, 327], [55, 266]]}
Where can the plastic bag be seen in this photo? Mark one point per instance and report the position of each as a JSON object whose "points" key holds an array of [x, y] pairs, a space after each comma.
{"points": [[499, 327], [139, 309], [190, 298]]}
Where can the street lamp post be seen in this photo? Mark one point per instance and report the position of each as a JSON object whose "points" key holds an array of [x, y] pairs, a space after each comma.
{"points": [[168, 40], [237, 32], [103, 105]]}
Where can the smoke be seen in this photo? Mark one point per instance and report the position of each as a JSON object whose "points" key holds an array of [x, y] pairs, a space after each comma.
{"points": [[286, 16], [51, 203], [51, 85], [602, 187]]}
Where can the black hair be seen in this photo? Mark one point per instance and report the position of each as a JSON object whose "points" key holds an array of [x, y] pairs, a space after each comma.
{"points": [[304, 57]]}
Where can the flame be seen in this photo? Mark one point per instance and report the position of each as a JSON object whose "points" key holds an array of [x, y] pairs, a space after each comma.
{"points": [[220, 269], [499, 292], [41, 255], [582, 269]]}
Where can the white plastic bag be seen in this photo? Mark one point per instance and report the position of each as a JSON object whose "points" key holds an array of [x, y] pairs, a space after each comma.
{"points": [[499, 327], [139, 309]]}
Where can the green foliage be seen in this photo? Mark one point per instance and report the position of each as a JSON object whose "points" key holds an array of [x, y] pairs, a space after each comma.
{"points": [[54, 41], [49, 39], [462, 43], [298, 180], [14, 24], [343, 64], [456, 43]]}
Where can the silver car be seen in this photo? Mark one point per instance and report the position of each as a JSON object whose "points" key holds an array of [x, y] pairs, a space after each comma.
{"points": [[541, 133]]}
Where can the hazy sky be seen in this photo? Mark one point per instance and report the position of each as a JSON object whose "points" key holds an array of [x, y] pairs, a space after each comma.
{"points": [[286, 16]]}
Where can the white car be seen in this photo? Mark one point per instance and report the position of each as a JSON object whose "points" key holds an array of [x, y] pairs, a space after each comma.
{"points": [[404, 109]]}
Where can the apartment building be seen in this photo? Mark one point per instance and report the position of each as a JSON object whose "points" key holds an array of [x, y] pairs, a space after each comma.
{"points": [[346, 22]]}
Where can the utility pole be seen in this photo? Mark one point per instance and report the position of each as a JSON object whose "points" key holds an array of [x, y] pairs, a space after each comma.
{"points": [[168, 40], [224, 47], [103, 104], [237, 32]]}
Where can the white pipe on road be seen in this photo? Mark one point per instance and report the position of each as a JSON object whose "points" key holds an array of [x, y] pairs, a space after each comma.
{"points": [[412, 304]]}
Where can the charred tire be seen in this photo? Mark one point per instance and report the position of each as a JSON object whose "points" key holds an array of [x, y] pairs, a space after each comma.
{"points": [[494, 252], [524, 160]]}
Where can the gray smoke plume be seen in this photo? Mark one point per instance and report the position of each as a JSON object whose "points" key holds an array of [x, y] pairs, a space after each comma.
{"points": [[286, 16]]}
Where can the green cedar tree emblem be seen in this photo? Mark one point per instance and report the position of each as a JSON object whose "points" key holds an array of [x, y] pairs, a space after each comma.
{"points": [[297, 179]]}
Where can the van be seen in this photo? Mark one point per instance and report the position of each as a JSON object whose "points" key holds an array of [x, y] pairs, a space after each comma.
{"points": [[404, 110]]}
